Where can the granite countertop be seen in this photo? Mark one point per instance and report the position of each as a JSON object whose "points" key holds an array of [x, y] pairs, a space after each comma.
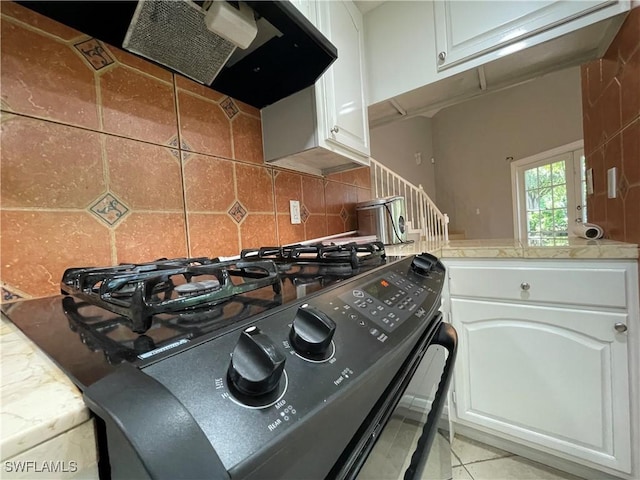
{"points": [[38, 401], [567, 248]]}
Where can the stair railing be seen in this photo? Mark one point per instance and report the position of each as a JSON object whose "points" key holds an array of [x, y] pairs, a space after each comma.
{"points": [[421, 211]]}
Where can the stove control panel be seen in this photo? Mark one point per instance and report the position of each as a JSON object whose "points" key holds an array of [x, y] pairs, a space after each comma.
{"points": [[387, 301], [328, 356]]}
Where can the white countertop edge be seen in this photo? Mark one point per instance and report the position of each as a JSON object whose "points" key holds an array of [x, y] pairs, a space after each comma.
{"points": [[39, 401]]}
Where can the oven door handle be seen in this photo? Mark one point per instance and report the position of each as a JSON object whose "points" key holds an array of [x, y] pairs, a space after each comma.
{"points": [[447, 337]]}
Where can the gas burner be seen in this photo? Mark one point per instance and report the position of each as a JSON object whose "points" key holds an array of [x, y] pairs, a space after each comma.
{"points": [[140, 291], [330, 259], [197, 288]]}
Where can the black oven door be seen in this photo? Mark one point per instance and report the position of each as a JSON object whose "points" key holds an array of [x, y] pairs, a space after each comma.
{"points": [[405, 436]]}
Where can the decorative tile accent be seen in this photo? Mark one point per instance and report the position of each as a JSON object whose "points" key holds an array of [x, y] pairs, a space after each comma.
{"points": [[174, 143], [186, 150], [343, 214], [109, 209], [623, 187], [229, 107], [95, 53], [183, 145], [238, 212], [304, 214], [8, 296]]}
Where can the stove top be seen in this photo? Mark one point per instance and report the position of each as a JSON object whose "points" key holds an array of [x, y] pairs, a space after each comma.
{"points": [[248, 361], [138, 313]]}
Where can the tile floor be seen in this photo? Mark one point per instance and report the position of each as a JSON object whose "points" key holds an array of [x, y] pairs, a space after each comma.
{"points": [[472, 460]]}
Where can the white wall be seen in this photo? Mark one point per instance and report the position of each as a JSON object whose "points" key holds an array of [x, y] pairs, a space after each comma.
{"points": [[396, 144], [472, 140]]}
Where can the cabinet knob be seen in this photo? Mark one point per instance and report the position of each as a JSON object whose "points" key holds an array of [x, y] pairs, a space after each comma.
{"points": [[525, 286], [620, 327], [442, 56], [335, 129]]}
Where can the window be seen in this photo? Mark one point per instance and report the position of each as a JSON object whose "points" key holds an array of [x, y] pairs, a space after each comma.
{"points": [[549, 193]]}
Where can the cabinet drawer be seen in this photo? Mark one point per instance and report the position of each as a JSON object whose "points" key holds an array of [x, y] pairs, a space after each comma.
{"points": [[603, 287]]}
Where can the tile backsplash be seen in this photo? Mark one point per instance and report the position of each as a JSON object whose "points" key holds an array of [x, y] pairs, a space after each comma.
{"points": [[108, 158], [611, 112]]}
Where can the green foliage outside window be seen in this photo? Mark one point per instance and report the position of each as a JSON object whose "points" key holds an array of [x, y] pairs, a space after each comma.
{"points": [[546, 196]]}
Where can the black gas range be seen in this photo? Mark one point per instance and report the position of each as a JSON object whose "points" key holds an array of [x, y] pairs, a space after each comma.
{"points": [[285, 362]]}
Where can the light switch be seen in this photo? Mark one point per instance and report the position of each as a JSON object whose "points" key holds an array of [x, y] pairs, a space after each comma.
{"points": [[612, 177]]}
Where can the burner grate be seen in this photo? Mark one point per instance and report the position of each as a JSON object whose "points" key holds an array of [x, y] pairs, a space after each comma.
{"points": [[140, 291], [349, 256], [112, 334]]}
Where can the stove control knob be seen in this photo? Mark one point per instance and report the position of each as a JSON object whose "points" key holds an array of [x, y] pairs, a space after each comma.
{"points": [[311, 333], [256, 364]]}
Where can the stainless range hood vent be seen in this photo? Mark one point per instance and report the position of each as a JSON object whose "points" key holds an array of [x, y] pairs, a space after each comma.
{"points": [[174, 34], [198, 39]]}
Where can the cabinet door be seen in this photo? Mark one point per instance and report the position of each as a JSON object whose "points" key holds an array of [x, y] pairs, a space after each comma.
{"points": [[554, 377], [307, 8], [343, 111], [468, 29]]}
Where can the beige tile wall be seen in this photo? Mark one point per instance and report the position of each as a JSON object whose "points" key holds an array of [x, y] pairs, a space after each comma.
{"points": [[611, 110], [108, 158]]}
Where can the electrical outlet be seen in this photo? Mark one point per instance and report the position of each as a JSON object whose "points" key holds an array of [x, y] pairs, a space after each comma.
{"points": [[294, 208]]}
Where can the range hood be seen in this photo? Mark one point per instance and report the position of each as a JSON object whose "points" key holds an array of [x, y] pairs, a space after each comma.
{"points": [[287, 55]]}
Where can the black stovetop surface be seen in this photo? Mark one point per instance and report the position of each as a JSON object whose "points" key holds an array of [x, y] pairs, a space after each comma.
{"points": [[88, 342]]}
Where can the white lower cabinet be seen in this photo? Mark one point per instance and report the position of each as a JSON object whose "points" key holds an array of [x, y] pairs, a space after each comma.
{"points": [[552, 376]]}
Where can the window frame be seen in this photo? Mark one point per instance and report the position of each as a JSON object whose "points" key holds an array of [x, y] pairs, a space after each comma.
{"points": [[517, 184]]}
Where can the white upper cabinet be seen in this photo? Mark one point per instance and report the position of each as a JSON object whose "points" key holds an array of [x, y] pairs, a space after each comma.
{"points": [[325, 128], [343, 85], [468, 29], [306, 8], [423, 56]]}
